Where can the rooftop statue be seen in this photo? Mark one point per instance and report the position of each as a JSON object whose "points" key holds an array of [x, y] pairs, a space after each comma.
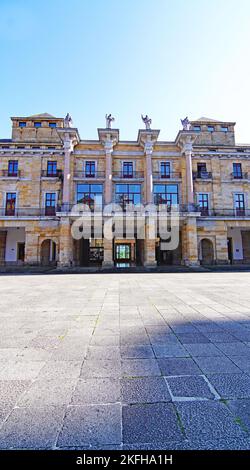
{"points": [[147, 121], [186, 124], [68, 122], [109, 120]]}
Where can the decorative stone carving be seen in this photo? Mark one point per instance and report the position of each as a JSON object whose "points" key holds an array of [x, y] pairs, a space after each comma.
{"points": [[109, 120], [186, 124], [147, 121], [68, 122]]}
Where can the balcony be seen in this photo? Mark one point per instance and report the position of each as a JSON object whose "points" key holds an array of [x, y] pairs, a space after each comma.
{"points": [[80, 209], [239, 176], [202, 175], [157, 175], [82, 175], [234, 213], [11, 174], [123, 175], [28, 212], [52, 174]]}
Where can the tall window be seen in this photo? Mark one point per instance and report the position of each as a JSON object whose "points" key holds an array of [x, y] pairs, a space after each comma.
{"points": [[37, 124], [127, 194], [165, 169], [51, 168], [239, 204], [90, 194], [201, 170], [22, 124], [50, 203], [90, 169], [13, 168], [166, 194], [203, 203], [237, 170], [127, 169], [52, 124], [10, 206]]}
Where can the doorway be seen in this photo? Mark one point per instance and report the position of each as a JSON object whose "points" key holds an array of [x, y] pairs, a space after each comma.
{"points": [[123, 254], [20, 251]]}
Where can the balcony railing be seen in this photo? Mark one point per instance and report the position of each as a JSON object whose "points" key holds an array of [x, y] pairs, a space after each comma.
{"points": [[239, 176], [226, 212], [164, 176], [78, 209], [202, 175], [89, 175], [28, 212], [52, 174], [128, 175], [10, 174]]}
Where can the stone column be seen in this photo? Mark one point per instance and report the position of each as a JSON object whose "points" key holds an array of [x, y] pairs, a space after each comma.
{"points": [[221, 243], [187, 149], [149, 244], [68, 148], [148, 173], [108, 147], [108, 261], [32, 248], [66, 243], [191, 244]]}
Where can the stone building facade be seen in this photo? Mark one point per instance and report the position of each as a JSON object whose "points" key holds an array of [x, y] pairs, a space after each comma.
{"points": [[46, 169]]}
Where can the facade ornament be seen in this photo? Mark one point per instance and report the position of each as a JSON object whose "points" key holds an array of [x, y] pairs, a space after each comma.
{"points": [[68, 122], [109, 120], [186, 124], [147, 121]]}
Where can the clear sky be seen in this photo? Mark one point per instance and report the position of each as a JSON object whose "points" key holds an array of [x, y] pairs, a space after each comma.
{"points": [[166, 58]]}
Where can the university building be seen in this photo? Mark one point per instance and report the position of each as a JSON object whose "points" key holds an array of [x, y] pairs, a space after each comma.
{"points": [[46, 168]]}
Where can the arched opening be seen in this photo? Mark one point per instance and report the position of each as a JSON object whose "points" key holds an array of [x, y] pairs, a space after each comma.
{"points": [[206, 251], [48, 252]]}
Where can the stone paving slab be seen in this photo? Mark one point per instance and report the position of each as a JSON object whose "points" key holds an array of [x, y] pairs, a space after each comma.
{"points": [[125, 361]]}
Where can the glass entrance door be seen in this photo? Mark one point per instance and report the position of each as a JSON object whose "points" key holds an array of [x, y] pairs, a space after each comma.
{"points": [[123, 254]]}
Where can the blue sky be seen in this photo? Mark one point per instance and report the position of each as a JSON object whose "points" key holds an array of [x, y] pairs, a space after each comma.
{"points": [[166, 58]]}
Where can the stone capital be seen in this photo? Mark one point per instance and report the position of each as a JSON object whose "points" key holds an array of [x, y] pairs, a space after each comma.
{"points": [[185, 141], [69, 137], [109, 138], [147, 138]]}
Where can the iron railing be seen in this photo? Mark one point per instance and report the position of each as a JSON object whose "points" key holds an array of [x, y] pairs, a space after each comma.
{"points": [[52, 174], [128, 175], [239, 176], [202, 175], [89, 174], [28, 212], [11, 174], [164, 176]]}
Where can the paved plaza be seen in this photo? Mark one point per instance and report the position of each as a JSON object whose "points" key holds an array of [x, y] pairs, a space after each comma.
{"points": [[125, 361]]}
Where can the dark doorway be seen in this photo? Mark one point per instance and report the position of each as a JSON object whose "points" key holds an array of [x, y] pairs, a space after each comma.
{"points": [[84, 252], [20, 251], [230, 249]]}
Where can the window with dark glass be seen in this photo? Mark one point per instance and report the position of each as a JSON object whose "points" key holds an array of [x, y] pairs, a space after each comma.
{"points": [[166, 194], [197, 128], [203, 203], [224, 128], [165, 169], [127, 194], [10, 204], [51, 168], [22, 124], [237, 170], [37, 124], [13, 168], [210, 128], [50, 203], [90, 169], [201, 170], [90, 194], [239, 202], [128, 169], [52, 124]]}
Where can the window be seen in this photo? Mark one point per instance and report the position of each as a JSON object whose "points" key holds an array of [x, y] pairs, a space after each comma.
{"points": [[166, 194], [165, 169], [127, 194], [50, 203], [37, 124], [52, 125], [224, 128], [90, 169], [10, 206], [90, 194], [20, 147], [13, 168], [239, 204], [51, 168], [210, 128], [22, 124], [127, 169], [197, 128], [203, 203], [237, 170], [36, 147]]}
